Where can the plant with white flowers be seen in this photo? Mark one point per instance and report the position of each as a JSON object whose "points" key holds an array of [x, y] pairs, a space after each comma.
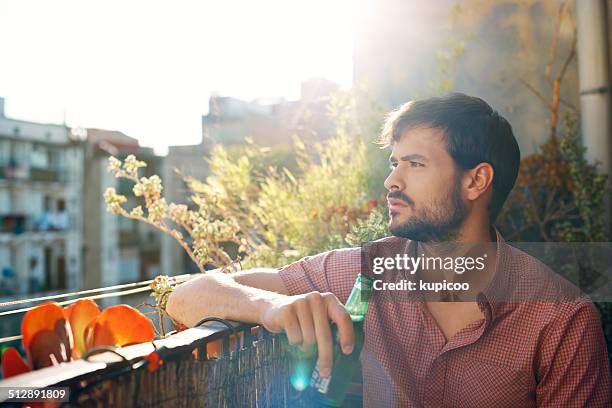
{"points": [[199, 232], [202, 236]]}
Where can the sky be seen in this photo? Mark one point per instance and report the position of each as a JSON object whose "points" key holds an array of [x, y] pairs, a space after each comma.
{"points": [[147, 68]]}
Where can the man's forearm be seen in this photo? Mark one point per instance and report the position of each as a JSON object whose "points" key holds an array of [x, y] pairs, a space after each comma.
{"points": [[219, 295]]}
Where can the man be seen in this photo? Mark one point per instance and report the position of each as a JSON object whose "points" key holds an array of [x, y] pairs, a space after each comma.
{"points": [[453, 162]]}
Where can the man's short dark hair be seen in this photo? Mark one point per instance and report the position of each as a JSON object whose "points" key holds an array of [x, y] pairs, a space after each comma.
{"points": [[474, 134]]}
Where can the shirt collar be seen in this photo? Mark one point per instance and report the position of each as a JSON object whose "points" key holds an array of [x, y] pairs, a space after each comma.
{"points": [[493, 299]]}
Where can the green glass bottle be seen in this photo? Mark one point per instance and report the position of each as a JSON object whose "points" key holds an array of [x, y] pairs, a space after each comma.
{"points": [[331, 391]]}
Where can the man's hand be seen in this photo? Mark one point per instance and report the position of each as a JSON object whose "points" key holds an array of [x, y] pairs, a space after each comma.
{"points": [[305, 320], [259, 296]]}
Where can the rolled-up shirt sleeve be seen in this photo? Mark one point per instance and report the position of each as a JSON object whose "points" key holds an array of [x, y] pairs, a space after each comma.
{"points": [[333, 271]]}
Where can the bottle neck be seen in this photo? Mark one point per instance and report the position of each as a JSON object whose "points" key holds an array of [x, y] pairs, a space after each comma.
{"points": [[358, 301]]}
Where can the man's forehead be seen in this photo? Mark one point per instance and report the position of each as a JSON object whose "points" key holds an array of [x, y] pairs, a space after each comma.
{"points": [[425, 141]]}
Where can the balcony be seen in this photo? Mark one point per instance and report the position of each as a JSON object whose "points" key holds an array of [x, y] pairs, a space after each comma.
{"points": [[52, 221], [47, 175], [13, 224], [48, 221], [20, 172], [13, 171]]}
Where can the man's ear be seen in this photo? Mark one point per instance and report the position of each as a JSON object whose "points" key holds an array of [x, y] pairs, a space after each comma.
{"points": [[479, 179]]}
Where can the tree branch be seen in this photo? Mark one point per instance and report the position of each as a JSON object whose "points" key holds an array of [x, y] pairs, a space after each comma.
{"points": [[553, 47]]}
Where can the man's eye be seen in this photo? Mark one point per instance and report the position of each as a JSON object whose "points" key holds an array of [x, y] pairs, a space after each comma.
{"points": [[392, 165], [416, 164]]}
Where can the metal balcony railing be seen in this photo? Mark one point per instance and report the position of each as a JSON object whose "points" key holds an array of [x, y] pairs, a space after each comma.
{"points": [[250, 368], [23, 173], [49, 221], [255, 372]]}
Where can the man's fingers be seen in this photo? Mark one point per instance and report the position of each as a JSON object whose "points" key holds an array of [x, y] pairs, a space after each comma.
{"points": [[343, 321], [292, 326], [322, 331], [306, 323]]}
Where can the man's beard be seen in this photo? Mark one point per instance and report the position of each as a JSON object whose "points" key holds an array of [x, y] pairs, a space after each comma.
{"points": [[438, 222]]}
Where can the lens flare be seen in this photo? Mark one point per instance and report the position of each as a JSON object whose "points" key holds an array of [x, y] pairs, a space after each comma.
{"points": [[301, 376]]}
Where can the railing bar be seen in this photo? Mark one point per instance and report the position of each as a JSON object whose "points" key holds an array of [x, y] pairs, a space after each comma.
{"points": [[67, 302], [9, 339], [83, 292], [62, 295], [248, 338], [225, 349]]}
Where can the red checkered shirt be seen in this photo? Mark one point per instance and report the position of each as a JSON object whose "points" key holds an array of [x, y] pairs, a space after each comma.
{"points": [[520, 354]]}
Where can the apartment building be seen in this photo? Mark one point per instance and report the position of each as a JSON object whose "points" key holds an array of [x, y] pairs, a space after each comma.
{"points": [[40, 207], [271, 122]]}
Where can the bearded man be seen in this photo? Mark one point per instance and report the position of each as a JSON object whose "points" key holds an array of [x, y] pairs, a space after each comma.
{"points": [[522, 338]]}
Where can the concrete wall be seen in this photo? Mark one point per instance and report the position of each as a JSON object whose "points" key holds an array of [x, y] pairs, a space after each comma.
{"points": [[190, 161], [42, 132], [407, 49], [101, 249]]}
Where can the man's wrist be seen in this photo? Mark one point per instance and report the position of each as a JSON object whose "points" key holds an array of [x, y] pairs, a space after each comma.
{"points": [[263, 305]]}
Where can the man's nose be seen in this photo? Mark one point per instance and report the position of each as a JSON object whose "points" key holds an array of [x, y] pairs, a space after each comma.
{"points": [[394, 182]]}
